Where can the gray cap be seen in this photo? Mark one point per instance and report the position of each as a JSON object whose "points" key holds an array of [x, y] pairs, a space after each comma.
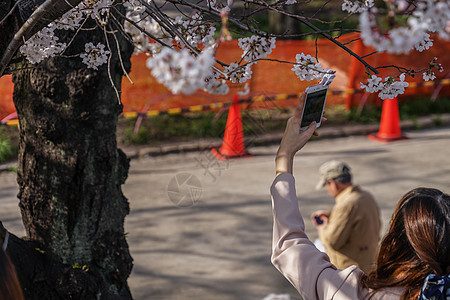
{"points": [[332, 169]]}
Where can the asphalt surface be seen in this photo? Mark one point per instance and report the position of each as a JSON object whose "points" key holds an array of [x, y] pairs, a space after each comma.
{"points": [[201, 229]]}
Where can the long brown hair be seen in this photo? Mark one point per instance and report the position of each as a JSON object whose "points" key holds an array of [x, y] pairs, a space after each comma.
{"points": [[416, 245], [9, 283]]}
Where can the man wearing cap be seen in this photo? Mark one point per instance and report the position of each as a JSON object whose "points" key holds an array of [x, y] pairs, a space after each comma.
{"points": [[350, 232]]}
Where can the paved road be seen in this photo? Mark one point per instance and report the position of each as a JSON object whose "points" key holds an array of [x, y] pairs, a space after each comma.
{"points": [[216, 243]]}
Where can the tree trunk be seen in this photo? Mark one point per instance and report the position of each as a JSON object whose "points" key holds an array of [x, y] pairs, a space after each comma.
{"points": [[70, 175]]}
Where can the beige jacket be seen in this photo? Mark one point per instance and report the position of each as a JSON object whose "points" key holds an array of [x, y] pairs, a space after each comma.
{"points": [[309, 270], [352, 234]]}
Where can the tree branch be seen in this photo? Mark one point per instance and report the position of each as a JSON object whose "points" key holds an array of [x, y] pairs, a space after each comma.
{"points": [[42, 16]]}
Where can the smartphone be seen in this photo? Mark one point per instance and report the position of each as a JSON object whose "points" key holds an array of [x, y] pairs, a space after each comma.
{"points": [[314, 105]]}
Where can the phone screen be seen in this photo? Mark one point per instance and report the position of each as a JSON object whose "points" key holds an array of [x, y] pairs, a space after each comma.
{"points": [[313, 107]]}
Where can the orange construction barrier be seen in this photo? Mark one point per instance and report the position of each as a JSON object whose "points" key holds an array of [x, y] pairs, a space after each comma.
{"points": [[233, 139], [389, 124]]}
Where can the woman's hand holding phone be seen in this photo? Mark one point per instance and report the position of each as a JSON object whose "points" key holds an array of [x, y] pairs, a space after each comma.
{"points": [[294, 138]]}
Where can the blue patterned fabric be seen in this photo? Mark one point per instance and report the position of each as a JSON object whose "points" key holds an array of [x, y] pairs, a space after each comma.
{"points": [[435, 288]]}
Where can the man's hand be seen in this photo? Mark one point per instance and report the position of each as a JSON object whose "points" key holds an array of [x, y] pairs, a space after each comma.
{"points": [[323, 215]]}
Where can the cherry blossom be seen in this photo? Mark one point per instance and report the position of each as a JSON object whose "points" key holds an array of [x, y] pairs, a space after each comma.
{"points": [[194, 30], [428, 16], [220, 5], [428, 75], [97, 7], [256, 47], [373, 84], [425, 44], [42, 45], [45, 43], [94, 55], [307, 68], [432, 15], [356, 6], [218, 87], [388, 89], [238, 74], [72, 19], [180, 71]]}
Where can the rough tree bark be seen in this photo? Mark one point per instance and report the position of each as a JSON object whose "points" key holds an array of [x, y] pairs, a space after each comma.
{"points": [[70, 175]]}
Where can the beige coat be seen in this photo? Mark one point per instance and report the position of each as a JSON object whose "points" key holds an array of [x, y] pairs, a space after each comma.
{"points": [[352, 234], [309, 270]]}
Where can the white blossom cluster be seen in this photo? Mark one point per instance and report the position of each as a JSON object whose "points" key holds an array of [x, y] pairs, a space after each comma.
{"points": [[307, 68], [218, 87], [356, 6], [94, 55], [194, 30], [136, 13], [96, 8], [256, 47], [45, 43], [425, 44], [289, 2], [220, 5], [140, 39], [238, 74], [428, 75], [429, 15], [432, 15], [400, 40], [180, 71], [41, 45], [388, 89], [72, 19]]}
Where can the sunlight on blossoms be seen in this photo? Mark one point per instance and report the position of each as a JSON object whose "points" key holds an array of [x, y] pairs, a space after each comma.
{"points": [[42, 45], [180, 71], [194, 30], [307, 68], [388, 89], [238, 74], [256, 47], [45, 43], [428, 16]]}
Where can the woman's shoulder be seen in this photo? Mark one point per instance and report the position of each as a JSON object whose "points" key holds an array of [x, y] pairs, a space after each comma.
{"points": [[392, 293], [346, 284]]}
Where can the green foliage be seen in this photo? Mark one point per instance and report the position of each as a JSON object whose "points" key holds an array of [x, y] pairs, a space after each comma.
{"points": [[6, 149], [409, 109], [198, 125], [423, 106], [174, 127]]}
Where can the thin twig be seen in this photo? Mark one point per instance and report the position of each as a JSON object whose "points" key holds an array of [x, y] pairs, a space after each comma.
{"points": [[73, 37], [109, 65], [120, 58], [10, 12]]}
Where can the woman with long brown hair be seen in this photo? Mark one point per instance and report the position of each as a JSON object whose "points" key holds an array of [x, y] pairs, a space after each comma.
{"points": [[414, 257], [416, 245]]}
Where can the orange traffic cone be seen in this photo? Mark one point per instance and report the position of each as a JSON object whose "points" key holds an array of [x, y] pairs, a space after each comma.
{"points": [[233, 138], [389, 124]]}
